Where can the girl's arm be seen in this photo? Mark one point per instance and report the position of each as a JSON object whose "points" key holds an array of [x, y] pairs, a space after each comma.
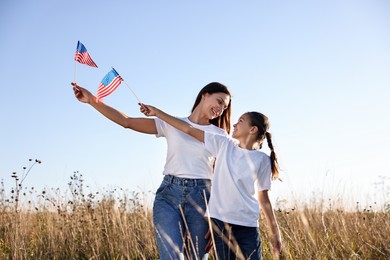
{"points": [[143, 125], [266, 206], [177, 123]]}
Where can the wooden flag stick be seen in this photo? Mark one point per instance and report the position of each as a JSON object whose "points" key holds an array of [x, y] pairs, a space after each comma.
{"points": [[139, 101], [75, 70]]}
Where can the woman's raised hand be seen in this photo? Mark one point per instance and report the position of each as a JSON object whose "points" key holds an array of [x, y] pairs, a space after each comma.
{"points": [[82, 94]]}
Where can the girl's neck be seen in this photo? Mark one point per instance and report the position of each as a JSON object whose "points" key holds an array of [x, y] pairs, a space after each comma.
{"points": [[247, 143], [198, 117]]}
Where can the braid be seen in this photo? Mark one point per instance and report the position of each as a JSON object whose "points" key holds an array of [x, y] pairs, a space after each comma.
{"points": [[274, 159]]}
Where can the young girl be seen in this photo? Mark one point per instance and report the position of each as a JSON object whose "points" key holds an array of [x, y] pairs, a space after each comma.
{"points": [[187, 172], [242, 178]]}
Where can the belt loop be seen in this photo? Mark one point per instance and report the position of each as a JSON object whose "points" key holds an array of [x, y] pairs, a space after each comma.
{"points": [[170, 179]]}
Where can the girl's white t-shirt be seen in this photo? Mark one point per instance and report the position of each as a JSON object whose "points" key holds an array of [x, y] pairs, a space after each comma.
{"points": [[238, 176], [186, 156]]}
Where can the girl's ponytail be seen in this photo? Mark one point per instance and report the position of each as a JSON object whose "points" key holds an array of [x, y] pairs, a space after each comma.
{"points": [[274, 159]]}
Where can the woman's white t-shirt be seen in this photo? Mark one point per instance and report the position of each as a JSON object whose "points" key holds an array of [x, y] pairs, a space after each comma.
{"points": [[238, 175], [186, 156]]}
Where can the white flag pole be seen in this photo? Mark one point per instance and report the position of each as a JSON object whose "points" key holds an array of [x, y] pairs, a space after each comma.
{"points": [[75, 70], [139, 101]]}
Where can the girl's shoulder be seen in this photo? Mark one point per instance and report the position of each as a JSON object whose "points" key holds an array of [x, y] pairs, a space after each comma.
{"points": [[265, 159], [219, 138], [207, 128], [220, 131], [262, 154], [217, 130]]}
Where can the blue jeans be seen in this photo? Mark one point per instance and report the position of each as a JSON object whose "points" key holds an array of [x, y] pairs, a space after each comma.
{"points": [[246, 238], [178, 217]]}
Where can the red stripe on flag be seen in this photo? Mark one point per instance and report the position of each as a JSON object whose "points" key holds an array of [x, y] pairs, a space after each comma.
{"points": [[85, 58], [104, 91]]}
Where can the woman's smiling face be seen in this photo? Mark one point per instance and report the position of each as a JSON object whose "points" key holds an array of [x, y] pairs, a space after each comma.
{"points": [[215, 104]]}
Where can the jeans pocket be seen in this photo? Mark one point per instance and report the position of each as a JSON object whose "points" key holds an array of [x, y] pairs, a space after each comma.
{"points": [[162, 188]]}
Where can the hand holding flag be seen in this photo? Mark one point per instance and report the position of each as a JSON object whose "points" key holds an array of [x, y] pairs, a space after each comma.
{"points": [[82, 94]]}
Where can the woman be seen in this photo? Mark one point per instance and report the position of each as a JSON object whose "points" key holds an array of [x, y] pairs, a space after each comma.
{"points": [[241, 182], [179, 205]]}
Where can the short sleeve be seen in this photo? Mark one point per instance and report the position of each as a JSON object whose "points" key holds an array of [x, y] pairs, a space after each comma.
{"points": [[265, 174], [160, 126], [213, 142]]}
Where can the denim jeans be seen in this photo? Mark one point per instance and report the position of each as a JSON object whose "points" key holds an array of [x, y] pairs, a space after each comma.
{"points": [[178, 217], [246, 238]]}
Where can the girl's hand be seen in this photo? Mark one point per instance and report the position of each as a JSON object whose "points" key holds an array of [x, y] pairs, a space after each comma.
{"points": [[277, 244], [82, 94], [148, 110]]}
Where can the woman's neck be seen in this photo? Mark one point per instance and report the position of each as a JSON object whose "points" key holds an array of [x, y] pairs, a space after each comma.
{"points": [[198, 118]]}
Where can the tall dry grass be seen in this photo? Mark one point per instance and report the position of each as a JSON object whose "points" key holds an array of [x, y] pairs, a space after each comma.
{"points": [[115, 224], [111, 224], [315, 233], [101, 233]]}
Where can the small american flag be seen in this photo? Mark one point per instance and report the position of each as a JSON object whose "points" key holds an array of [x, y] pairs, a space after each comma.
{"points": [[83, 56], [109, 83]]}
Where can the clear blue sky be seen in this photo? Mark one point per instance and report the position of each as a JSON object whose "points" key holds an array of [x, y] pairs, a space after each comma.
{"points": [[319, 69]]}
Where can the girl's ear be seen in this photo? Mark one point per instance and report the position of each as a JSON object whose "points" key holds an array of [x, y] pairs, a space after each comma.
{"points": [[254, 129]]}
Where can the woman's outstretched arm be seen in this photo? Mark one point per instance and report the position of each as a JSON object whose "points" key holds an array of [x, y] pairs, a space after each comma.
{"points": [[142, 125], [173, 121]]}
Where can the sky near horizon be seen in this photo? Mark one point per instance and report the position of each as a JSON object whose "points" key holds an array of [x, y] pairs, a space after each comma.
{"points": [[320, 70]]}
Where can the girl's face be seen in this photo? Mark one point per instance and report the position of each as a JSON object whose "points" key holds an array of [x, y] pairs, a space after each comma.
{"points": [[214, 104], [242, 127]]}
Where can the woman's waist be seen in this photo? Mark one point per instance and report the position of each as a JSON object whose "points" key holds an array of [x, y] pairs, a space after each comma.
{"points": [[185, 181], [187, 173]]}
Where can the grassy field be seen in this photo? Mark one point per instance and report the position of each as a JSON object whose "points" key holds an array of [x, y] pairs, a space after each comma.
{"points": [[115, 224]]}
